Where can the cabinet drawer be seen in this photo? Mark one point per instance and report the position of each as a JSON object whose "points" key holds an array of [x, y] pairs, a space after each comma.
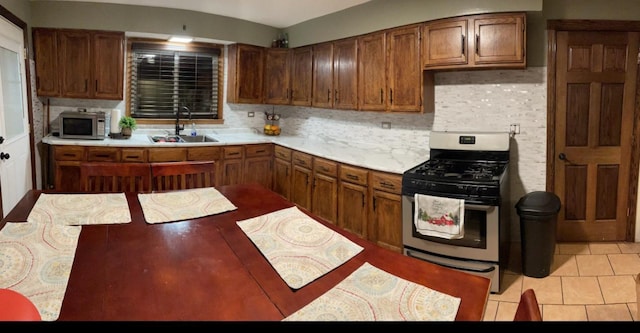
{"points": [[232, 152], [386, 182], [301, 159], [325, 167], [167, 154], [70, 153], [133, 155], [283, 153], [103, 154], [257, 150], [353, 175], [204, 154]]}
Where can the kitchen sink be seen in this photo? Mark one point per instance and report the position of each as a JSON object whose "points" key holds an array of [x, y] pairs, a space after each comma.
{"points": [[181, 138]]}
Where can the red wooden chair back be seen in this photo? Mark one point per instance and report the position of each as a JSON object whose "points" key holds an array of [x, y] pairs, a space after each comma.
{"points": [[115, 177], [182, 175]]}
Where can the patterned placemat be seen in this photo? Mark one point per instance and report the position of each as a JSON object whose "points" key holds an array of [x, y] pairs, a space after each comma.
{"points": [[81, 209], [298, 247], [184, 204], [371, 294], [36, 260]]}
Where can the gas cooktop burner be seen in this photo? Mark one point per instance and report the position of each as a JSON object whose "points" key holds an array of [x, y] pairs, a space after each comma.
{"points": [[460, 170]]}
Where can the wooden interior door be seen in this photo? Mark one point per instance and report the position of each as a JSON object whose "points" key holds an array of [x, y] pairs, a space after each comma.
{"points": [[595, 89]]}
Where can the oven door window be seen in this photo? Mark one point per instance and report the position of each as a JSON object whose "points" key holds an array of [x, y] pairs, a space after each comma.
{"points": [[475, 230]]}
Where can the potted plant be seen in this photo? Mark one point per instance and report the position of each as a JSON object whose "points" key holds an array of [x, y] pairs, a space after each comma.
{"points": [[127, 124]]}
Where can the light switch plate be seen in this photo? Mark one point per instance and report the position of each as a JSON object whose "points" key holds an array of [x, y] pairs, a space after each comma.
{"points": [[386, 125]]}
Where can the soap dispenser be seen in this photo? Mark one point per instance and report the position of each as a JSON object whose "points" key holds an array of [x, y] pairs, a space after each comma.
{"points": [[193, 129]]}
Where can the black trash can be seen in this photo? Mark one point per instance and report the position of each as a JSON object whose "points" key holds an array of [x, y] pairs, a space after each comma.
{"points": [[538, 213]]}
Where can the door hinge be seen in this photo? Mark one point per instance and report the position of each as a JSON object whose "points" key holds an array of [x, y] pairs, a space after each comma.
{"points": [[24, 55]]}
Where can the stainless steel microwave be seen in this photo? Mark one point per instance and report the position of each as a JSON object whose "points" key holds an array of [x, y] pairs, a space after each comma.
{"points": [[82, 125]]}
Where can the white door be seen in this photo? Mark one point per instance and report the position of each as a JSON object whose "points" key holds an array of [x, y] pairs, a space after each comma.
{"points": [[15, 151]]}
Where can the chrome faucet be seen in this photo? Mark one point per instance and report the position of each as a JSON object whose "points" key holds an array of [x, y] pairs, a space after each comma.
{"points": [[180, 127]]}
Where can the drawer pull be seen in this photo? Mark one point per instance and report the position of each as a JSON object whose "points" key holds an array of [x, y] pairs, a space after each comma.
{"points": [[102, 155], [132, 156], [350, 176], [387, 185], [260, 151], [325, 169], [235, 153], [70, 155]]}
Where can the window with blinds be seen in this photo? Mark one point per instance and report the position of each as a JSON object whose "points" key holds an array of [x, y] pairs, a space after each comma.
{"points": [[167, 78]]}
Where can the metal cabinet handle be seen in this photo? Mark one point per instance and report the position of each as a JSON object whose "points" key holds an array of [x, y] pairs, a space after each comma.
{"points": [[4, 156], [562, 156]]}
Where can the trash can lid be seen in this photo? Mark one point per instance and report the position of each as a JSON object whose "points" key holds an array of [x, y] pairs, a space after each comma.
{"points": [[539, 203]]}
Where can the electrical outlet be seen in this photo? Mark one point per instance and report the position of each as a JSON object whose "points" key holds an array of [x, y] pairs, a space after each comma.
{"points": [[514, 128], [250, 114], [386, 125]]}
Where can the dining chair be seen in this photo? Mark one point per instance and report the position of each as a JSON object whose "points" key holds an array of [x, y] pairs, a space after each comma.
{"points": [[14, 306], [115, 177], [182, 175], [528, 309]]}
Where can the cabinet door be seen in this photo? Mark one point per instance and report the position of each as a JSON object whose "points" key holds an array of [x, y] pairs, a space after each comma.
{"points": [[74, 51], [372, 81], [404, 71], [301, 187], [232, 172], [386, 227], [246, 64], [325, 197], [46, 58], [302, 69], [277, 76], [258, 170], [499, 39], [108, 65], [444, 43], [282, 177], [345, 74], [352, 208], [322, 92]]}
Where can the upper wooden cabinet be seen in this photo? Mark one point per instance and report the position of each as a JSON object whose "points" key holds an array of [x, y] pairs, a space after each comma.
{"points": [[345, 74], [389, 71], [277, 76], [301, 72], [79, 63], [322, 77], [246, 69], [403, 70], [477, 41]]}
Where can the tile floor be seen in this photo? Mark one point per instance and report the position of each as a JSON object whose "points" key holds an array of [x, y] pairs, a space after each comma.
{"points": [[587, 282]]}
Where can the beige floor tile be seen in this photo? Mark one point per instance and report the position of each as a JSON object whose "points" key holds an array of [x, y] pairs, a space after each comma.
{"points": [[625, 263], [628, 247], [633, 307], [564, 265], [593, 265], [506, 311], [490, 311], [581, 290], [548, 290], [511, 287], [609, 312], [564, 312], [618, 289], [604, 248], [573, 248]]}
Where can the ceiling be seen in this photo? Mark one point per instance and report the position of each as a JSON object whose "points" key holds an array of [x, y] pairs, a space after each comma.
{"points": [[274, 13]]}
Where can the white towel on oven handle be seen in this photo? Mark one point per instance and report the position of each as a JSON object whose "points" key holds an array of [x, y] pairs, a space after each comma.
{"points": [[439, 216]]}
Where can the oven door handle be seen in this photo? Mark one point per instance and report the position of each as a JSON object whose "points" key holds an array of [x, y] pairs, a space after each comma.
{"points": [[484, 208]]}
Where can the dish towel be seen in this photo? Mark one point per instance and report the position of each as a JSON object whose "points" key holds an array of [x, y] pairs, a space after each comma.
{"points": [[439, 217], [372, 294]]}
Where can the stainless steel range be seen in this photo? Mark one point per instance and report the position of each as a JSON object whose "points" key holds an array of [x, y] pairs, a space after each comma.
{"points": [[473, 167]]}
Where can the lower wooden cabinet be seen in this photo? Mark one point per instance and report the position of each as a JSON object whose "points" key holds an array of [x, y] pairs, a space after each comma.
{"points": [[353, 200], [282, 171], [301, 179], [324, 202], [385, 227]]}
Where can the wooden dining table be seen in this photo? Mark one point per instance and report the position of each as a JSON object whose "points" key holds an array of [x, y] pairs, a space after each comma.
{"points": [[207, 269]]}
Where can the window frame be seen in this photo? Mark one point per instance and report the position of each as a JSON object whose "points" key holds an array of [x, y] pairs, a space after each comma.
{"points": [[190, 47]]}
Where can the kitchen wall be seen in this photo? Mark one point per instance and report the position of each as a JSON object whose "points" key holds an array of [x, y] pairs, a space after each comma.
{"points": [[468, 100]]}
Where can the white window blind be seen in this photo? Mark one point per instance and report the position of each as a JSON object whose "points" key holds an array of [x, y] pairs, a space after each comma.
{"points": [[165, 80]]}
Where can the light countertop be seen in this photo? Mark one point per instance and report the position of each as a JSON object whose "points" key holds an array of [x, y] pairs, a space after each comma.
{"points": [[359, 154]]}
